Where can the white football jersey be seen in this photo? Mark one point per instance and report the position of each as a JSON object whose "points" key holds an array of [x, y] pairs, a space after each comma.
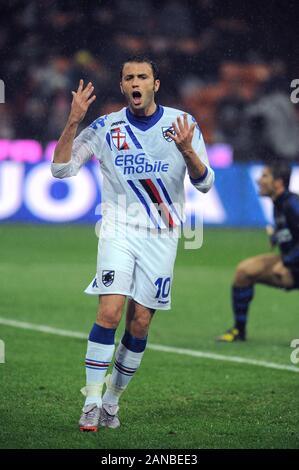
{"points": [[143, 171]]}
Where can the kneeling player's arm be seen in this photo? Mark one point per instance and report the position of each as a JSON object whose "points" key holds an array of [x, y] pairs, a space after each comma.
{"points": [[291, 259], [272, 235]]}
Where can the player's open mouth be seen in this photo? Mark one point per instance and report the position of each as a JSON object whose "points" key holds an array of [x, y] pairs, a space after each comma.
{"points": [[136, 95]]}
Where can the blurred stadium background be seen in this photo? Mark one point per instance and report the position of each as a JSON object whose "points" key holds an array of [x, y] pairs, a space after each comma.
{"points": [[230, 65]]}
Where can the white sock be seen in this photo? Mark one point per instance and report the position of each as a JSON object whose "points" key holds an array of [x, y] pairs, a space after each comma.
{"points": [[98, 359], [126, 363]]}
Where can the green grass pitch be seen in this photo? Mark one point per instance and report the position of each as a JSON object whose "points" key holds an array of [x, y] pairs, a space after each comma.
{"points": [[175, 401]]}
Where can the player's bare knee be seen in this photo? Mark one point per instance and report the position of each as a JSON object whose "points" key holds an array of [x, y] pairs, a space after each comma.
{"points": [[139, 326], [278, 276], [278, 270], [282, 276], [109, 316], [139, 331], [245, 273]]}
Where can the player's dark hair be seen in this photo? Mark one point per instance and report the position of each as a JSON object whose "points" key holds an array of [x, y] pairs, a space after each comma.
{"points": [[140, 60], [281, 170]]}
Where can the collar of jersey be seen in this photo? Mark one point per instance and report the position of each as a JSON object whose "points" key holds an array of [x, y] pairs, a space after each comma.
{"points": [[145, 122], [281, 198]]}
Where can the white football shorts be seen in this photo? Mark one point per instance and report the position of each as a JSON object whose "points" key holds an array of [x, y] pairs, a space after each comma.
{"points": [[135, 263]]}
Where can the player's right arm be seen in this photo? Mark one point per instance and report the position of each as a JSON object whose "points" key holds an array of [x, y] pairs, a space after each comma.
{"points": [[68, 158], [272, 235]]}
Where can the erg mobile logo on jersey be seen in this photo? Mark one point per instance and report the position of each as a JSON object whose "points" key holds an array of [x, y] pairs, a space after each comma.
{"points": [[132, 164]]}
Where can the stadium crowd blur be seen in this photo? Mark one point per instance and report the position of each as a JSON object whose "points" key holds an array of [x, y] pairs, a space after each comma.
{"points": [[227, 67]]}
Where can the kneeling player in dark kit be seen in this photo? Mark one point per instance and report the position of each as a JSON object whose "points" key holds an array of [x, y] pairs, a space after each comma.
{"points": [[276, 270]]}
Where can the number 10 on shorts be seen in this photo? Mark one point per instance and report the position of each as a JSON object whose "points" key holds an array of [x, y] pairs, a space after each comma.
{"points": [[163, 287]]}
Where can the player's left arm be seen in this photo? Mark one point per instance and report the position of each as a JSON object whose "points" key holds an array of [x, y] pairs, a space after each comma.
{"points": [[189, 142], [291, 259]]}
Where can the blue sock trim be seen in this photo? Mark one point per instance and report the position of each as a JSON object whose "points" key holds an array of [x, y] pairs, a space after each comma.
{"points": [[132, 343], [102, 335], [241, 318], [241, 297]]}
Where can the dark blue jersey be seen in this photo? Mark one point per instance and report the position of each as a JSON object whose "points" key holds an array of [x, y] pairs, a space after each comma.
{"points": [[286, 236]]}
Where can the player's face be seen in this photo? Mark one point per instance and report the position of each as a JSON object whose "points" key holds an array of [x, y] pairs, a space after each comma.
{"points": [[266, 183], [139, 87]]}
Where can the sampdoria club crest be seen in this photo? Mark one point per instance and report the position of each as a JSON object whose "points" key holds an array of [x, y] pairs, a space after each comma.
{"points": [[164, 132], [107, 278]]}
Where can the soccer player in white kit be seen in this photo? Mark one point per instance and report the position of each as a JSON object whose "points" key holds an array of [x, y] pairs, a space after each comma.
{"points": [[144, 151]]}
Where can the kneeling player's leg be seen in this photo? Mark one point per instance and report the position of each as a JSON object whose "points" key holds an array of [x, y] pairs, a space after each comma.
{"points": [[250, 271], [129, 352], [100, 346], [280, 276]]}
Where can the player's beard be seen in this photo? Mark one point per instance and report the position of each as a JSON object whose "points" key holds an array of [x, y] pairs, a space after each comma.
{"points": [[266, 192]]}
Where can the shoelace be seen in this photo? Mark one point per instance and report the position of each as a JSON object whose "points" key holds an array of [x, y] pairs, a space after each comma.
{"points": [[91, 414], [108, 416]]}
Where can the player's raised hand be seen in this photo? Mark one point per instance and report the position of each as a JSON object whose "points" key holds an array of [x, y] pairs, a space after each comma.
{"points": [[183, 134], [82, 99]]}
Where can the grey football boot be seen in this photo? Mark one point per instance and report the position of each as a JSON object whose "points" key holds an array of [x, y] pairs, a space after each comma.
{"points": [[90, 418], [109, 417]]}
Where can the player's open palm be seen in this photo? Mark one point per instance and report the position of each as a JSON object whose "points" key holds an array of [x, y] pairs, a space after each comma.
{"points": [[183, 134], [82, 99]]}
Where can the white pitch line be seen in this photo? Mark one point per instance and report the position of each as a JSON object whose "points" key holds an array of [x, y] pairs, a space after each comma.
{"points": [[42, 328], [222, 357], [154, 347]]}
